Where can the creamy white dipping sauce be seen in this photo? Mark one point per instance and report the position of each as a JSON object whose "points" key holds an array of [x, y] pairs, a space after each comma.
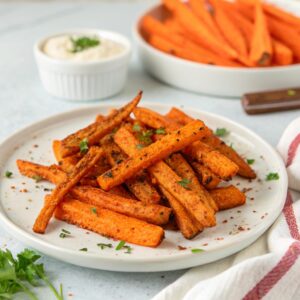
{"points": [[63, 48]]}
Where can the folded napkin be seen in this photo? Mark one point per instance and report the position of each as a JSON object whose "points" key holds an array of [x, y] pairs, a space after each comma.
{"points": [[270, 267]]}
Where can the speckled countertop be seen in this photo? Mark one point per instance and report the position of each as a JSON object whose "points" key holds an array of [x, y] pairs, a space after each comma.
{"points": [[23, 101]]}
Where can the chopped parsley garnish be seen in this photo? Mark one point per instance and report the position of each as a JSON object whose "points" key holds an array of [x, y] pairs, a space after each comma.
{"points": [[184, 182], [94, 210], [196, 250], [8, 174], [64, 233], [18, 274], [128, 249], [82, 43], [83, 249], [84, 146], [139, 146], [250, 161], [37, 178], [145, 137], [291, 92], [102, 245], [136, 127], [160, 131], [221, 132], [272, 176], [120, 245]]}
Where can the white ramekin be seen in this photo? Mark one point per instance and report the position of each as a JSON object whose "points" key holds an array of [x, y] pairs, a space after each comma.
{"points": [[80, 81]]}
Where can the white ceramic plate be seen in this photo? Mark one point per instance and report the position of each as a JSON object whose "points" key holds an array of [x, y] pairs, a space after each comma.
{"points": [[213, 80], [236, 229]]}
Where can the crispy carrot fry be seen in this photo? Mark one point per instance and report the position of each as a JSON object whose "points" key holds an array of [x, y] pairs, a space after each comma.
{"points": [[169, 180], [228, 197], [184, 221], [97, 130], [261, 50], [32, 170], [216, 143], [159, 150], [207, 178], [109, 223], [138, 184], [283, 55], [121, 191], [198, 30], [178, 163], [151, 213], [57, 195], [56, 150], [218, 163]]}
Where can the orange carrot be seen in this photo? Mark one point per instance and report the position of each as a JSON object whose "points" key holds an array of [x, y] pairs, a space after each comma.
{"points": [[109, 223], [283, 55], [198, 30], [261, 50], [174, 25]]}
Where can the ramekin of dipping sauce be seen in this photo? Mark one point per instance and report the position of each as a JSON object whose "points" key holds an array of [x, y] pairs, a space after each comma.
{"points": [[86, 64]]}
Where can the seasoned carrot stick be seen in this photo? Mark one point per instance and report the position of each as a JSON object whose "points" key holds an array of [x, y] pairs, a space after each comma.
{"points": [[159, 150], [185, 222], [261, 50], [282, 55], [228, 197], [56, 150], [152, 213], [57, 195], [94, 132], [196, 204], [198, 30], [216, 143], [178, 163], [109, 223]]}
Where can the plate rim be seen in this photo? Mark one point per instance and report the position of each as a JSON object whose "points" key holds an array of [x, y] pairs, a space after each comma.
{"points": [[47, 248]]}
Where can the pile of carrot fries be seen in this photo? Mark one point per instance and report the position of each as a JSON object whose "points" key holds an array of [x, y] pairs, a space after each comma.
{"points": [[242, 33], [130, 178]]}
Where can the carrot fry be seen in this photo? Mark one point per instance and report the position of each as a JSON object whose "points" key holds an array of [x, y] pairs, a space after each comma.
{"points": [[170, 181], [178, 163], [216, 143], [198, 30], [261, 46], [185, 222], [228, 197], [57, 195], [199, 151], [159, 150], [138, 184], [283, 55], [174, 25], [109, 223], [207, 178], [32, 170], [56, 150], [97, 130], [151, 213]]}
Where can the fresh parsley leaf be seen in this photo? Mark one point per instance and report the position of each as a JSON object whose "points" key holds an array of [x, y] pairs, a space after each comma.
{"points": [[221, 132], [184, 182], [84, 146], [120, 245], [145, 137], [102, 245], [83, 249], [8, 174], [94, 210], [66, 231], [136, 127], [196, 250], [250, 161], [272, 176], [139, 146], [128, 249], [37, 178], [160, 131], [291, 92], [82, 43]]}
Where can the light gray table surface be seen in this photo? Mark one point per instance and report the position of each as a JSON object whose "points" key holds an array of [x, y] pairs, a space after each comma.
{"points": [[23, 101]]}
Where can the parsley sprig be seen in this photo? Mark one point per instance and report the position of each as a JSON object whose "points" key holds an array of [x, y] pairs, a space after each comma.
{"points": [[184, 182], [19, 274], [122, 245], [221, 132], [272, 176], [84, 146], [82, 43]]}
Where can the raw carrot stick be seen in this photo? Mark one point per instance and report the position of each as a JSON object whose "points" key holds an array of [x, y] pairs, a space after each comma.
{"points": [[109, 223], [157, 151], [283, 55], [174, 25], [152, 213], [228, 197], [261, 50], [97, 130], [198, 30], [57, 195]]}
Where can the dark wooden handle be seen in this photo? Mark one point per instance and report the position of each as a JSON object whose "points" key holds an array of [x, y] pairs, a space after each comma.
{"points": [[271, 101]]}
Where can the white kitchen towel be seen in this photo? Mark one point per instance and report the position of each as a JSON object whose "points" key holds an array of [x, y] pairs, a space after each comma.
{"points": [[270, 267]]}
